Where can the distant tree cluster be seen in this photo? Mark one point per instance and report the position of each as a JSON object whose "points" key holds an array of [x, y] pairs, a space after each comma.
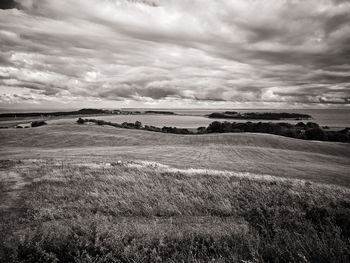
{"points": [[37, 123], [137, 125], [306, 131], [176, 130]]}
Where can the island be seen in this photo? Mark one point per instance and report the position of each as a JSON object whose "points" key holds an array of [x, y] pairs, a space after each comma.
{"points": [[160, 112], [259, 115]]}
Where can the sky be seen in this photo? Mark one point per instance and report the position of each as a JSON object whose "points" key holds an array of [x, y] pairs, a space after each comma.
{"points": [[174, 54]]}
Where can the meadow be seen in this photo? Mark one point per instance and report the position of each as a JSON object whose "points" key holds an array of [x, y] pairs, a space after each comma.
{"points": [[326, 162], [87, 193]]}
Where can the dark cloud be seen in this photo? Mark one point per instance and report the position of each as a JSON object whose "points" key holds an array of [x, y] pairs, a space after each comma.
{"points": [[330, 78], [145, 2], [134, 92], [24, 98], [8, 4], [336, 22], [157, 93]]}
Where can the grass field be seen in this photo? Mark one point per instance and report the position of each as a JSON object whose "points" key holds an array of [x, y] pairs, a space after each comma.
{"points": [[84, 193], [256, 153]]}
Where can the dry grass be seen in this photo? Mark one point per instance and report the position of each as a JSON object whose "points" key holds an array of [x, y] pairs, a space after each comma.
{"points": [[145, 212]]}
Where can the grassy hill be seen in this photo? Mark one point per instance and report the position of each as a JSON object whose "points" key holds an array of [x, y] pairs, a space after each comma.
{"points": [[87, 193], [324, 162]]}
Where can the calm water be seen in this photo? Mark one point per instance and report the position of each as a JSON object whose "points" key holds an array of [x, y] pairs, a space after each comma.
{"points": [[193, 118], [196, 118]]}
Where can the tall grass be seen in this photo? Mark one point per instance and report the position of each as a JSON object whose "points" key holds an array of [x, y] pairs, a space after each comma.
{"points": [[149, 214]]}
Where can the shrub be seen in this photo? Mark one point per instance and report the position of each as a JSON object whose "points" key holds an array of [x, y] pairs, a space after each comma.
{"points": [[316, 134], [301, 125], [215, 126], [337, 136], [175, 130], [80, 121], [312, 125], [38, 123], [138, 124], [201, 130]]}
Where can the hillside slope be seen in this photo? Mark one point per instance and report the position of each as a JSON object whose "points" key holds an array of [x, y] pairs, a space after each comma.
{"points": [[323, 162], [148, 212]]}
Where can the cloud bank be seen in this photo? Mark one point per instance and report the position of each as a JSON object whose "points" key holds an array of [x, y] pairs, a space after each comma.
{"points": [[119, 53]]}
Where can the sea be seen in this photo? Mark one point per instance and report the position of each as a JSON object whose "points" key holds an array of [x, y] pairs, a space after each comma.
{"points": [[194, 118], [191, 118]]}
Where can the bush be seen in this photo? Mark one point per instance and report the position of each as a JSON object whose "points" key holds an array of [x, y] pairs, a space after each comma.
{"points": [[201, 130], [337, 136], [301, 125], [80, 121], [38, 123], [138, 124], [175, 130], [316, 134], [312, 125], [215, 126]]}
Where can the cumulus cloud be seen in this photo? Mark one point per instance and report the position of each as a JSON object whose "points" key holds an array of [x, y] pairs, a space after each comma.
{"points": [[175, 53]]}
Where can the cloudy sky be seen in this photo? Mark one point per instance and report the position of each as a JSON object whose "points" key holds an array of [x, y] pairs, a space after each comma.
{"points": [[174, 53]]}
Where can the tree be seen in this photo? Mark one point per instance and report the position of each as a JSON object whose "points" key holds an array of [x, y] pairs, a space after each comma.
{"points": [[37, 123], [316, 134], [201, 130], [138, 124], [80, 121], [215, 127], [312, 125]]}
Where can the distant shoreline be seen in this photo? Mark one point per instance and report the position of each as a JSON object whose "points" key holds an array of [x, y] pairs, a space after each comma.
{"points": [[178, 118], [81, 112], [217, 115]]}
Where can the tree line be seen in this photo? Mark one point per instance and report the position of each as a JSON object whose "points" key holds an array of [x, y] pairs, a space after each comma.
{"points": [[301, 130]]}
